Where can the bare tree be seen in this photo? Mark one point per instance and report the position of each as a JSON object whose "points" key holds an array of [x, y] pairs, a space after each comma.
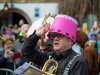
{"points": [[79, 8]]}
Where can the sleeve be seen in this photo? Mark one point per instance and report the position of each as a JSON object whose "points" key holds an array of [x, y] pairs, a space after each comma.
{"points": [[79, 68], [29, 51], [3, 62]]}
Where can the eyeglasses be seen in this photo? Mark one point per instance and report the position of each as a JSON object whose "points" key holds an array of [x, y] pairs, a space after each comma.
{"points": [[53, 35]]}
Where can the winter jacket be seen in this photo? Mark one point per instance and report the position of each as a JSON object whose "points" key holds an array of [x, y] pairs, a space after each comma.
{"points": [[8, 63], [78, 67]]}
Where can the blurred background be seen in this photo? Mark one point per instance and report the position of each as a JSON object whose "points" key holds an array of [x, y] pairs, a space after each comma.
{"points": [[16, 16], [12, 11]]}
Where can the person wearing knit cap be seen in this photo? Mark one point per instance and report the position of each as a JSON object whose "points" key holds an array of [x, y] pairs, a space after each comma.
{"points": [[92, 38]]}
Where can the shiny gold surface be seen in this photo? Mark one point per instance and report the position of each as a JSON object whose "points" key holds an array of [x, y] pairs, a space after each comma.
{"points": [[50, 67]]}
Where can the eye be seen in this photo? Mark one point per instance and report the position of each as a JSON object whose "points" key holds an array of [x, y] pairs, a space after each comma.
{"points": [[60, 35]]}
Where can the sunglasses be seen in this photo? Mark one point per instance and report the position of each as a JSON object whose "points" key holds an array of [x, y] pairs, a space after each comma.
{"points": [[53, 35]]}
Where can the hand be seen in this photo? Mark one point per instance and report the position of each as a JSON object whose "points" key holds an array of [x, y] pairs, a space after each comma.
{"points": [[7, 53], [43, 30]]}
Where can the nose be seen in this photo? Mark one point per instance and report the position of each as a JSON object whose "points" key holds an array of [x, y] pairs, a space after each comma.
{"points": [[41, 40], [56, 38]]}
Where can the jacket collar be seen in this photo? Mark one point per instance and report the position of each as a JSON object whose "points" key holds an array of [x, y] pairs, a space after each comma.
{"points": [[64, 54]]}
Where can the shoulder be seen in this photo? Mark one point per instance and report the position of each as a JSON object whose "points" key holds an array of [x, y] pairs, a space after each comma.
{"points": [[16, 41], [1, 54], [77, 65], [1, 51], [78, 58]]}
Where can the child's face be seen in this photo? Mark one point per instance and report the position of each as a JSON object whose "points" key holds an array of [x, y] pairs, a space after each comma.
{"points": [[93, 42]]}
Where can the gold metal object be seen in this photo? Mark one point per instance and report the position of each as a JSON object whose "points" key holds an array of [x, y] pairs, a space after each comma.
{"points": [[50, 67]]}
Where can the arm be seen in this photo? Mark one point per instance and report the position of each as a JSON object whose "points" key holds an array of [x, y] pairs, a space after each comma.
{"points": [[5, 58], [29, 50], [2, 61], [29, 45]]}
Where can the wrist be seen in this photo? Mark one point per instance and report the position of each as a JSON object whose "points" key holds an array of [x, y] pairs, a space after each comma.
{"points": [[37, 33], [4, 58]]}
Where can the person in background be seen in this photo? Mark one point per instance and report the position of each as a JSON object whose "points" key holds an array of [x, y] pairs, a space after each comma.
{"points": [[44, 44], [90, 53], [6, 53], [11, 34], [9, 57], [8, 34], [92, 39], [63, 34], [81, 39], [21, 22], [22, 37]]}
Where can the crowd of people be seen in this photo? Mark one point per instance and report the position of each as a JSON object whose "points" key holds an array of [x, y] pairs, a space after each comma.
{"points": [[75, 52]]}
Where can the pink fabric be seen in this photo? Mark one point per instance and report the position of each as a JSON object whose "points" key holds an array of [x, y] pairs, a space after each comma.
{"points": [[65, 25]]}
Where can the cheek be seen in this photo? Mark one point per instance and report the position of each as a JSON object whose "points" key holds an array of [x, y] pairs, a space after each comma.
{"points": [[38, 42], [10, 46], [45, 40], [66, 43], [92, 41], [63, 45], [5, 46]]}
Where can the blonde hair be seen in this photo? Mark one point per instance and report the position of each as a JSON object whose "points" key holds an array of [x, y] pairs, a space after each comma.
{"points": [[6, 39]]}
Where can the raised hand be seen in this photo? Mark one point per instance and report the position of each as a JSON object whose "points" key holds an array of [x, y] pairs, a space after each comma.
{"points": [[7, 53], [43, 30]]}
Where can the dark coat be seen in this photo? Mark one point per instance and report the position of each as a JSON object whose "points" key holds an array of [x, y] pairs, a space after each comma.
{"points": [[5, 63], [9, 62], [79, 67], [19, 43]]}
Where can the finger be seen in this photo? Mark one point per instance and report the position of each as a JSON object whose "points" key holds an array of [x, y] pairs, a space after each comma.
{"points": [[7, 52], [44, 23], [47, 25], [46, 29]]}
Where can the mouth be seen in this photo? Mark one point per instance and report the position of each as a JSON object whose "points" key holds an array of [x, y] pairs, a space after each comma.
{"points": [[56, 43]]}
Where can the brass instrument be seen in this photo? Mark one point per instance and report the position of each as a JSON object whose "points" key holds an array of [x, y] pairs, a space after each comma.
{"points": [[50, 67]]}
